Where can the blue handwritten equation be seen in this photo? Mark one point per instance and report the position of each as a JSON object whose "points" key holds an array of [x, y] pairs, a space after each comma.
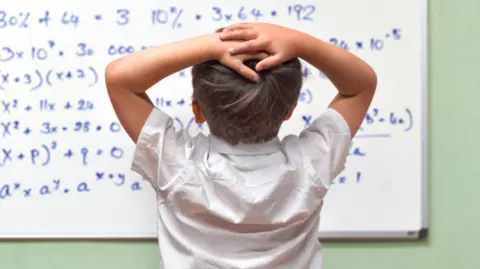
{"points": [[9, 128], [374, 43], [306, 96], [52, 50], [58, 186], [48, 77], [7, 107], [83, 49], [44, 154], [396, 119], [173, 16]]}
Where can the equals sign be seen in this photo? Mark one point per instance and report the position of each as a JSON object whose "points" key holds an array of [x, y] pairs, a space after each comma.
{"points": [[98, 17]]}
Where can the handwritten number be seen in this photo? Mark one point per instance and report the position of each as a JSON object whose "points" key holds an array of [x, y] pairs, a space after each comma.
{"points": [[3, 22], [28, 79], [84, 105], [47, 128], [9, 52], [123, 13], [80, 73], [218, 13], [369, 118], [70, 19], [82, 126], [396, 34], [303, 13], [393, 119], [341, 43], [241, 14], [83, 49], [64, 18], [308, 10], [257, 13], [81, 105]]}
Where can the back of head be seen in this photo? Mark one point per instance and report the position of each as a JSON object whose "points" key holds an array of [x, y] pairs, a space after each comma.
{"points": [[238, 110]]}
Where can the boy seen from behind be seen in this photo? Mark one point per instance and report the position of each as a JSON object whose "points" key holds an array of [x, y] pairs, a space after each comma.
{"points": [[241, 197]]}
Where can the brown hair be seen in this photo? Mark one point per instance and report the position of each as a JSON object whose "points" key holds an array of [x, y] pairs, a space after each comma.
{"points": [[238, 110]]}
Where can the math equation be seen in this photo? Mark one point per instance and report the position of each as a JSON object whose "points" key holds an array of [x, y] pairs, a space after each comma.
{"points": [[173, 17], [54, 108]]}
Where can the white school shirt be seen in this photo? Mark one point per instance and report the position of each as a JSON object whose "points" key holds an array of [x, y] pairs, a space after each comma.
{"points": [[246, 206]]}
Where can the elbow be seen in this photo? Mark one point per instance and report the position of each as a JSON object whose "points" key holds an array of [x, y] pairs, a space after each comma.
{"points": [[113, 75], [371, 80]]}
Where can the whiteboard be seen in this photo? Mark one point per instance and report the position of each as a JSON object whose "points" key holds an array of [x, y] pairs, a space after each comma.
{"points": [[65, 160]]}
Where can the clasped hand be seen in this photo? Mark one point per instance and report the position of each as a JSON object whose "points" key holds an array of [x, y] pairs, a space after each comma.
{"points": [[270, 44]]}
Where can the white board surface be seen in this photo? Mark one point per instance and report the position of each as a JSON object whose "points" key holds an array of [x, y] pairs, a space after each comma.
{"points": [[64, 159]]}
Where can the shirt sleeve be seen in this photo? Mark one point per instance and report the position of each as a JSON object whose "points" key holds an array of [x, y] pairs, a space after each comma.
{"points": [[160, 150], [326, 142]]}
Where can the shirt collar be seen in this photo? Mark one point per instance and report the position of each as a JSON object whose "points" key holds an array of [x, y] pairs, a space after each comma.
{"points": [[218, 145]]}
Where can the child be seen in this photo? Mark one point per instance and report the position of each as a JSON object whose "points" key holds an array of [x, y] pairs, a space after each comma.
{"points": [[240, 197]]}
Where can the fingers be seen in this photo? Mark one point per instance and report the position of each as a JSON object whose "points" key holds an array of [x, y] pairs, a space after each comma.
{"points": [[253, 56], [248, 47], [269, 62], [235, 63], [246, 34], [245, 71], [238, 26]]}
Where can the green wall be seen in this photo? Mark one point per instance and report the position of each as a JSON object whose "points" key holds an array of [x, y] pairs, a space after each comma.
{"points": [[454, 175]]}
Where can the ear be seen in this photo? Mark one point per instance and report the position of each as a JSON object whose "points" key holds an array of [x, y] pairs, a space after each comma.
{"points": [[291, 112], [197, 112]]}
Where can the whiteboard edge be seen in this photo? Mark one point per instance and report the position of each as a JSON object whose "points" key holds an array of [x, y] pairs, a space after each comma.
{"points": [[80, 236], [374, 235], [342, 235], [425, 119]]}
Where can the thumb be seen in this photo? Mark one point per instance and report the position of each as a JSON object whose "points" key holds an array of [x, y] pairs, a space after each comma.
{"points": [[269, 62]]}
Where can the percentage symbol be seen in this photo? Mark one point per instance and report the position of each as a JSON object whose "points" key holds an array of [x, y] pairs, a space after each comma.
{"points": [[19, 20], [178, 14]]}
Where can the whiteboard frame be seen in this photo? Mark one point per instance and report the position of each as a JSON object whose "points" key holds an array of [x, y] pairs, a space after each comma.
{"points": [[422, 232]]}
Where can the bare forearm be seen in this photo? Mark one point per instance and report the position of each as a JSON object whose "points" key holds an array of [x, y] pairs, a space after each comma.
{"points": [[348, 73], [140, 71]]}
